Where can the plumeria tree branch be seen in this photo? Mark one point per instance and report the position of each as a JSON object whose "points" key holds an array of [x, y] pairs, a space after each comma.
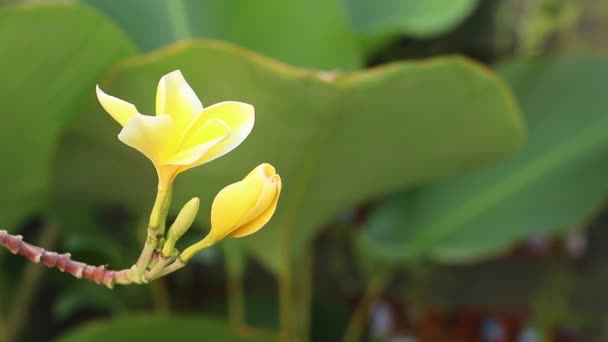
{"points": [[63, 262], [181, 135]]}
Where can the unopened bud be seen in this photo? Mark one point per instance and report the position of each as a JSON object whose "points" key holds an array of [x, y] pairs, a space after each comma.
{"points": [[180, 226]]}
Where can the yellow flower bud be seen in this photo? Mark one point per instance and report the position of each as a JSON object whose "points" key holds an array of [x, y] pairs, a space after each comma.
{"points": [[242, 208]]}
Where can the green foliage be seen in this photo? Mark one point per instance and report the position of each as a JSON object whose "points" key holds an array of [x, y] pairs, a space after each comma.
{"points": [[49, 70], [416, 18], [316, 31], [321, 34], [338, 139], [157, 328], [554, 184], [327, 134]]}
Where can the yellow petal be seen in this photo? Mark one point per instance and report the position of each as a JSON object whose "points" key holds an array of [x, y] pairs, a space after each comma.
{"points": [[175, 97], [259, 221], [238, 116], [262, 171], [147, 134], [187, 158], [192, 150], [122, 111], [231, 204], [266, 174], [211, 130]]}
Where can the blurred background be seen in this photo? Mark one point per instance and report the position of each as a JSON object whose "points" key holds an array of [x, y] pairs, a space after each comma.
{"points": [[445, 169]]}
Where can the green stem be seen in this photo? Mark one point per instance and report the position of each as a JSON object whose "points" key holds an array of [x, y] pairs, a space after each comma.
{"points": [[303, 297], [236, 301], [235, 267], [359, 319], [176, 265], [285, 300], [28, 285], [160, 209], [164, 210], [159, 265], [156, 227], [189, 252], [160, 294]]}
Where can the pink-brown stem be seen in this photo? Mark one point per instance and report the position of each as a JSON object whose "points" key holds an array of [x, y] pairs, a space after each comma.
{"points": [[63, 262]]}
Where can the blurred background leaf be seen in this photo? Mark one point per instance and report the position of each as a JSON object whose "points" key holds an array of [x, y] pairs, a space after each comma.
{"points": [[338, 127], [557, 182], [413, 18], [316, 31], [41, 95], [145, 327]]}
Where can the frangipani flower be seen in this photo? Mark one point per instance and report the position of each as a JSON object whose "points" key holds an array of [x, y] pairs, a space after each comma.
{"points": [[241, 208], [182, 134]]}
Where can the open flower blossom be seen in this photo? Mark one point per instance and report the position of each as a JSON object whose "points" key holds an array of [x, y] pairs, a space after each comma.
{"points": [[182, 134]]}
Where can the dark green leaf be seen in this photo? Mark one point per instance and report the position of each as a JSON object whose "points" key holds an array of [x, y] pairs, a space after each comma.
{"points": [[555, 183]]}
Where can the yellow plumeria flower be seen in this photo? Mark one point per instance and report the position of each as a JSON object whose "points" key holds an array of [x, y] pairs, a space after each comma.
{"points": [[182, 134], [241, 208]]}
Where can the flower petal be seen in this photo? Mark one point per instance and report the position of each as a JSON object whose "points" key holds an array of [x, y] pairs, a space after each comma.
{"points": [[175, 97], [122, 111], [210, 130], [266, 174], [237, 115], [148, 134], [262, 171], [193, 149], [230, 205], [258, 222]]}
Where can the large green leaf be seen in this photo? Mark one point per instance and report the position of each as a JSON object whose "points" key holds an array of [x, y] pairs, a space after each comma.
{"points": [[51, 58], [157, 328], [556, 182], [416, 18], [310, 33], [336, 139]]}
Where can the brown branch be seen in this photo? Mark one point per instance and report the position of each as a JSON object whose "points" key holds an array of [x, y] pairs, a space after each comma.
{"points": [[63, 262]]}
